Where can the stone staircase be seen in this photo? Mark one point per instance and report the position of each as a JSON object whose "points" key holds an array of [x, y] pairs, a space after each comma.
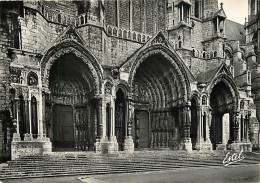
{"points": [[90, 163]]}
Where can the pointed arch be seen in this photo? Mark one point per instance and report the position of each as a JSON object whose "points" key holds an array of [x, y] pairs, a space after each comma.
{"points": [[230, 83], [175, 61], [71, 46]]}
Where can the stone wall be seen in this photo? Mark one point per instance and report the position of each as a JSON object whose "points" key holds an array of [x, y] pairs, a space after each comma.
{"points": [[29, 148], [37, 33], [7, 29], [124, 13], [111, 12], [110, 50], [197, 35], [210, 7]]}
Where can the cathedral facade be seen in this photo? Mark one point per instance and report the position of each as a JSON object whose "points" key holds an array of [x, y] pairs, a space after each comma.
{"points": [[123, 75]]}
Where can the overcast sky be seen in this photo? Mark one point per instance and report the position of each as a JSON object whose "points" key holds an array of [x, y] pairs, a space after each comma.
{"points": [[236, 10]]}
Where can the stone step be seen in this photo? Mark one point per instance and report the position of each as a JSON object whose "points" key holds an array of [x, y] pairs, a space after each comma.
{"points": [[50, 161], [87, 173], [80, 163]]}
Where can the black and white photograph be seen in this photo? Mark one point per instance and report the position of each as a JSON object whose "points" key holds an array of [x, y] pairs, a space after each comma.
{"points": [[129, 91]]}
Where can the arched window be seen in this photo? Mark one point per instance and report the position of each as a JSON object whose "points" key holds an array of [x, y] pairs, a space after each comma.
{"points": [[134, 36], [193, 52], [242, 104], [129, 35], [86, 18], [109, 30], [254, 38], [204, 55], [115, 32], [120, 33], [215, 54], [59, 18], [196, 9], [125, 34], [143, 40], [64, 20], [180, 44], [81, 20], [42, 9], [253, 8], [139, 38]]}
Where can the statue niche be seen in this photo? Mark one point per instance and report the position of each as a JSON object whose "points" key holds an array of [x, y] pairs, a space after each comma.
{"points": [[32, 79]]}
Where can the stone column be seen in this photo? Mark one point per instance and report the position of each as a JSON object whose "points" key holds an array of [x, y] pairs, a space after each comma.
{"points": [[112, 118], [224, 26], [217, 25], [242, 128], [182, 13], [207, 145], [208, 124], [1, 135], [110, 145], [179, 14], [17, 115], [185, 143], [235, 127], [199, 137], [128, 145], [26, 110], [189, 15], [201, 126], [16, 135], [166, 129], [247, 126], [131, 15], [99, 118], [30, 116], [38, 118], [235, 145]]}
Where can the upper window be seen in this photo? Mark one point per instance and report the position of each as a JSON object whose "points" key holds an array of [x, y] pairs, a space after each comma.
{"points": [[252, 7], [59, 18], [196, 9]]}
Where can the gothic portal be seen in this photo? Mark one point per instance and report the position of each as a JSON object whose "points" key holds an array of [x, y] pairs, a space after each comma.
{"points": [[109, 76]]}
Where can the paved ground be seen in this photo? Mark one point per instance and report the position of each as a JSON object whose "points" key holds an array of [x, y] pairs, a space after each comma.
{"points": [[247, 174]]}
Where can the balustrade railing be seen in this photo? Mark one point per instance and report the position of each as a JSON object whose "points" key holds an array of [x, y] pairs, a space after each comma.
{"points": [[127, 34]]}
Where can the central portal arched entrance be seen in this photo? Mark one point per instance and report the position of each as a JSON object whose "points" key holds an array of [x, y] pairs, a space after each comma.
{"points": [[158, 92], [71, 111], [223, 103]]}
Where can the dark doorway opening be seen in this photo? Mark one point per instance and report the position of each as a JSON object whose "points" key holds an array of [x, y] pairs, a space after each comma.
{"points": [[222, 104], [120, 118], [141, 128], [63, 131]]}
